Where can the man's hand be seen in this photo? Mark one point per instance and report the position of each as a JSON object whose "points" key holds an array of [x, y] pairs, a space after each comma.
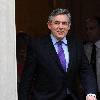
{"points": [[90, 97]]}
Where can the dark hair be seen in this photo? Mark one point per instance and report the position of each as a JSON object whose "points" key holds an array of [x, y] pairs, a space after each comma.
{"points": [[22, 38], [98, 20], [59, 11], [94, 18]]}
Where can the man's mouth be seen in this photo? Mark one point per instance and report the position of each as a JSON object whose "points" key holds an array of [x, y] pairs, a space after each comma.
{"points": [[60, 32]]}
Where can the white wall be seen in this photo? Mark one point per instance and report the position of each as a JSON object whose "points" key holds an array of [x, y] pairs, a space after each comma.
{"points": [[8, 72]]}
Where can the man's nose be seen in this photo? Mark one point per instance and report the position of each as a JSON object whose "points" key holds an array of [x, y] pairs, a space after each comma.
{"points": [[60, 26]]}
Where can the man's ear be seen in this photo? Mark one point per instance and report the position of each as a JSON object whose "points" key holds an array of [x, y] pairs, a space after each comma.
{"points": [[69, 26], [49, 24]]}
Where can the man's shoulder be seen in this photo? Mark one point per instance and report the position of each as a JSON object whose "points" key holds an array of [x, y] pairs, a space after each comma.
{"points": [[40, 40]]}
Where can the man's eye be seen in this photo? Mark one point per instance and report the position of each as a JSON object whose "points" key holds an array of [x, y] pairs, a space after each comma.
{"points": [[57, 23], [64, 23]]}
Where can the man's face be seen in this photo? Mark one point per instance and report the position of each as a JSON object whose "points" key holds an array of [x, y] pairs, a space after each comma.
{"points": [[93, 30], [59, 26]]}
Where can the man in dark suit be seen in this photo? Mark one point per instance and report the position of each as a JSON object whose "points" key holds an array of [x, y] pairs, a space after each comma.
{"points": [[92, 47], [54, 62]]}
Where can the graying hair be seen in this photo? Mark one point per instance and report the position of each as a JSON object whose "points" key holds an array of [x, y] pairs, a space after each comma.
{"points": [[59, 11]]}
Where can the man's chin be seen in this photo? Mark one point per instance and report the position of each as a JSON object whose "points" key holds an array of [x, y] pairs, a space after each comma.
{"points": [[60, 37]]}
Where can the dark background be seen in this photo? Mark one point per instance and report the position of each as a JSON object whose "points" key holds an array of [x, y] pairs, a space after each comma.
{"points": [[31, 15]]}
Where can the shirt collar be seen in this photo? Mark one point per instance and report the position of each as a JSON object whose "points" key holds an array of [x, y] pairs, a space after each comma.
{"points": [[98, 43], [54, 40]]}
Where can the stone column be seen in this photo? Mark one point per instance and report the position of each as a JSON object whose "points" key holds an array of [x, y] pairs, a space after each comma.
{"points": [[8, 69]]}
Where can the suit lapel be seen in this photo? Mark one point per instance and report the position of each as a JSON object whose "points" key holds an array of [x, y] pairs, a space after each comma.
{"points": [[52, 53], [53, 57], [72, 53]]}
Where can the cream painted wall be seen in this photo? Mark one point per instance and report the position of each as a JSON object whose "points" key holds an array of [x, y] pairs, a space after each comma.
{"points": [[8, 72]]}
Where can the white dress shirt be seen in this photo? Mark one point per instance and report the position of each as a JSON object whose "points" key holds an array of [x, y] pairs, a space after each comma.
{"points": [[64, 46]]}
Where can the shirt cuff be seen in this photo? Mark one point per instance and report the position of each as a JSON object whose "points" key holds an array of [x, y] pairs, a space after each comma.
{"points": [[90, 94]]}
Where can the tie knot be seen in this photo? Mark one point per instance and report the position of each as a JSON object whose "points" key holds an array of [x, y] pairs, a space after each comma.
{"points": [[93, 47], [59, 43]]}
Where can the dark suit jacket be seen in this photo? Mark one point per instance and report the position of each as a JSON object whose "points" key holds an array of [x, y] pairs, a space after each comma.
{"points": [[44, 72]]}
